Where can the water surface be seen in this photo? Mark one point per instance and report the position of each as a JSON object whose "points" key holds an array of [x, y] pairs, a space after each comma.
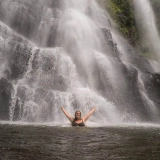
{"points": [[32, 142]]}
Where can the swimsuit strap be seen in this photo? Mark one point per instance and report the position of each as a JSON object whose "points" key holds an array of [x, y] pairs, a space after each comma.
{"points": [[78, 124]]}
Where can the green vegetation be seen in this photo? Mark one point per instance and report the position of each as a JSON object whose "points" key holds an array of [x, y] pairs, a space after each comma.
{"points": [[148, 55], [123, 14]]}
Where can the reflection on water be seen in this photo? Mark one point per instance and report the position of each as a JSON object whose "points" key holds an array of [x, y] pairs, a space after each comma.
{"points": [[78, 143]]}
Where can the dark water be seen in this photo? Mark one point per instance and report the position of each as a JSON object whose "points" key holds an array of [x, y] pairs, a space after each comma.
{"points": [[19, 142]]}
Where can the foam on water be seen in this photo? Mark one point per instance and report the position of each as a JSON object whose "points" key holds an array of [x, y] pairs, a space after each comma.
{"points": [[88, 124]]}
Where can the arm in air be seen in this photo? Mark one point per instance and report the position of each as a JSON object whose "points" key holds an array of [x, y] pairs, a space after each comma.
{"points": [[67, 115], [89, 114]]}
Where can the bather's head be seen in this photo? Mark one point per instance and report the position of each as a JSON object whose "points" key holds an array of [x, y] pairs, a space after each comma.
{"points": [[77, 115]]}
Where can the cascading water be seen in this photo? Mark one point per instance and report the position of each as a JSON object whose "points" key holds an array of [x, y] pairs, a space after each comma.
{"points": [[76, 60], [147, 24]]}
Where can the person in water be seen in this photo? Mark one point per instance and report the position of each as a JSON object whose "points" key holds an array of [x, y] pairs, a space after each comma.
{"points": [[78, 121]]}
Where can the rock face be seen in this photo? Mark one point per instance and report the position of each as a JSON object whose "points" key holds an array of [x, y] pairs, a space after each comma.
{"points": [[30, 20], [132, 94], [18, 63], [153, 87], [6, 90], [87, 65], [123, 13]]}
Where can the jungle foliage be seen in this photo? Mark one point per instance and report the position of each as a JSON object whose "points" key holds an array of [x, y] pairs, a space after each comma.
{"points": [[122, 12]]}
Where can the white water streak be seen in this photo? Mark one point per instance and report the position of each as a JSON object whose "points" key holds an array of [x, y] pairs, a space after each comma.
{"points": [[52, 78], [146, 21]]}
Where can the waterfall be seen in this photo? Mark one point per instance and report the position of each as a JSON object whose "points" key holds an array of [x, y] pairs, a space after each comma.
{"points": [[68, 53], [147, 25]]}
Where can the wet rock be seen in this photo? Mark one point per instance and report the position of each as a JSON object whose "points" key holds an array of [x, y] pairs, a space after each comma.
{"points": [[152, 85], [108, 38], [26, 18], [19, 61], [19, 16], [111, 45], [6, 89], [51, 41], [17, 110], [156, 77], [33, 22]]}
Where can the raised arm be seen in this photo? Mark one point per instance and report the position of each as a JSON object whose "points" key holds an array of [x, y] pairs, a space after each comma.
{"points": [[67, 115], [88, 115]]}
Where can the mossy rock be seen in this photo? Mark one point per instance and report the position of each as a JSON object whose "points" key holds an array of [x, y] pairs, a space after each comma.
{"points": [[123, 14]]}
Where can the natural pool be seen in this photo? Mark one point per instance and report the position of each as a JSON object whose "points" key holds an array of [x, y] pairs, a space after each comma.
{"points": [[37, 142]]}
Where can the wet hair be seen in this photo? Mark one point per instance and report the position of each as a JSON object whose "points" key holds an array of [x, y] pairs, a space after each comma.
{"points": [[75, 114]]}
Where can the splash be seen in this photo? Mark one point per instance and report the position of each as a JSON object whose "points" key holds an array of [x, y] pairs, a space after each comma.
{"points": [[78, 60]]}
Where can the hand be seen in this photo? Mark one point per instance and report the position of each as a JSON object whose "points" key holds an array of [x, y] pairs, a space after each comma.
{"points": [[94, 108]]}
